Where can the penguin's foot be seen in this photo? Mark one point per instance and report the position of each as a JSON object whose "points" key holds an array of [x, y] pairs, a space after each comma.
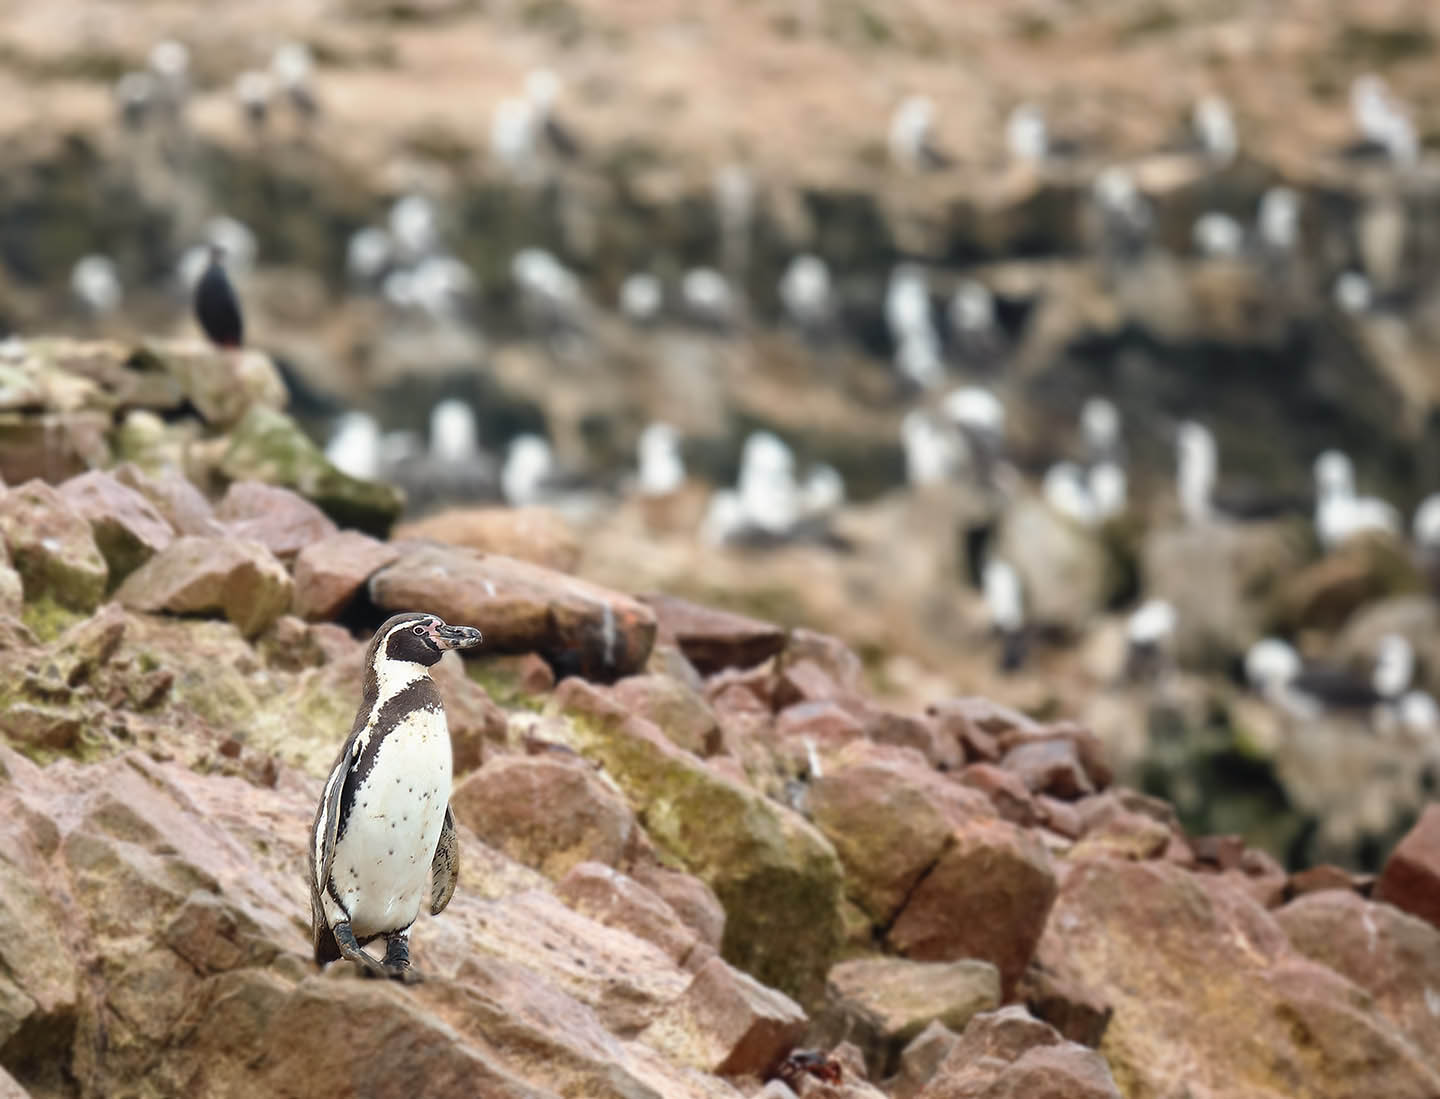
{"points": [[351, 951], [397, 961]]}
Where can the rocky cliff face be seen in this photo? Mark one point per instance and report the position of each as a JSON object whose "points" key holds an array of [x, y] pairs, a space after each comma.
{"points": [[699, 858]]}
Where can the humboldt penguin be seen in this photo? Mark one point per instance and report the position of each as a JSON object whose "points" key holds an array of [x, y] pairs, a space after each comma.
{"points": [[216, 306], [384, 825]]}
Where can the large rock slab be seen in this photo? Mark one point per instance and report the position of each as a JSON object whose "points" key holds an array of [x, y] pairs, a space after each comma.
{"points": [[618, 900], [1170, 947], [241, 580], [579, 627], [1394, 957], [550, 812], [282, 521], [987, 896], [1411, 877], [537, 535], [128, 529], [269, 446], [778, 878], [890, 817], [881, 1004], [52, 547], [331, 571], [181, 504], [712, 639], [727, 1022]]}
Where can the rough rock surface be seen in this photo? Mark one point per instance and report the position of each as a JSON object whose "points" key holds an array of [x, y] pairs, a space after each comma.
{"points": [[51, 547], [549, 812], [128, 529], [1411, 878], [987, 896], [881, 1004], [529, 534], [712, 639], [330, 571], [778, 878], [1008, 1055], [577, 626], [241, 580], [1170, 946], [282, 521]]}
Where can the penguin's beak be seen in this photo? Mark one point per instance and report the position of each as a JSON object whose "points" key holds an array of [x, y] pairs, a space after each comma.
{"points": [[456, 637]]}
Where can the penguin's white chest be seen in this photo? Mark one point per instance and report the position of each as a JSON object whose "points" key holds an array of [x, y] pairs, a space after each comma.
{"points": [[382, 861]]}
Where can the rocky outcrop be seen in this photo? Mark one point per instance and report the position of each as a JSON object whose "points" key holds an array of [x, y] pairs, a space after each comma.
{"points": [[241, 580], [577, 626]]}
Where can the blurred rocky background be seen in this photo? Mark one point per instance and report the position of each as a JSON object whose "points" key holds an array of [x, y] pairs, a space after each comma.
{"points": [[951, 494]]}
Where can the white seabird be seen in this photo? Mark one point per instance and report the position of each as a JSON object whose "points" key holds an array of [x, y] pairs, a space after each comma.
{"points": [[662, 469], [641, 298], [1341, 514], [911, 136], [1005, 603], [95, 283]]}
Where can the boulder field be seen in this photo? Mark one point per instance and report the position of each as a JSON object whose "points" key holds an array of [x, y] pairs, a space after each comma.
{"points": [[698, 857]]}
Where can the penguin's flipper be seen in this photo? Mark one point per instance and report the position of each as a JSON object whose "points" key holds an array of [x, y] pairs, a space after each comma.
{"points": [[445, 866]]}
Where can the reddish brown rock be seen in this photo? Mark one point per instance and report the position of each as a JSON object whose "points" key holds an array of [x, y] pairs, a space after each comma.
{"points": [[838, 660], [550, 812], [51, 547], [610, 897], [977, 724], [282, 521], [748, 689], [805, 681], [1411, 878], [1164, 943], [1061, 817], [987, 897], [331, 571], [1317, 879], [886, 726], [1087, 747], [880, 1004], [181, 504], [920, 1060], [1005, 789], [537, 535], [692, 901], [679, 712], [1049, 767], [579, 627], [1394, 957], [1078, 1013], [828, 725], [727, 1023], [890, 817], [1112, 830], [1008, 1055], [241, 580], [714, 639], [1218, 852], [127, 528]]}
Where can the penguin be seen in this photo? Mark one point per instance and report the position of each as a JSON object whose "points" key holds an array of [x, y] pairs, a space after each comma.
{"points": [[384, 826], [216, 306]]}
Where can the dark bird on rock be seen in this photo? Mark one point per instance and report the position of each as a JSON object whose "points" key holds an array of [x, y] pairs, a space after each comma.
{"points": [[216, 306], [384, 827]]}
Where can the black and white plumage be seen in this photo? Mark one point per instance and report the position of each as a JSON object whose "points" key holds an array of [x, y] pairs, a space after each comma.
{"points": [[384, 830], [216, 306]]}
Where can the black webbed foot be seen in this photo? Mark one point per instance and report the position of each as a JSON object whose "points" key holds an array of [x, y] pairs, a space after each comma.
{"points": [[397, 961]]}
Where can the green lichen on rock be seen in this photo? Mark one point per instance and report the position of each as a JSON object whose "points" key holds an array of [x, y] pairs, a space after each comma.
{"points": [[52, 548], [269, 446], [778, 878]]}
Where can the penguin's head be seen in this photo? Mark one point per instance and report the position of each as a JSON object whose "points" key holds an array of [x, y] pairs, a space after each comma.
{"points": [[420, 639]]}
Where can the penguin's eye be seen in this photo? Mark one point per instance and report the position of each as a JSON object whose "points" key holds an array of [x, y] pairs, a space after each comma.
{"points": [[418, 631]]}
